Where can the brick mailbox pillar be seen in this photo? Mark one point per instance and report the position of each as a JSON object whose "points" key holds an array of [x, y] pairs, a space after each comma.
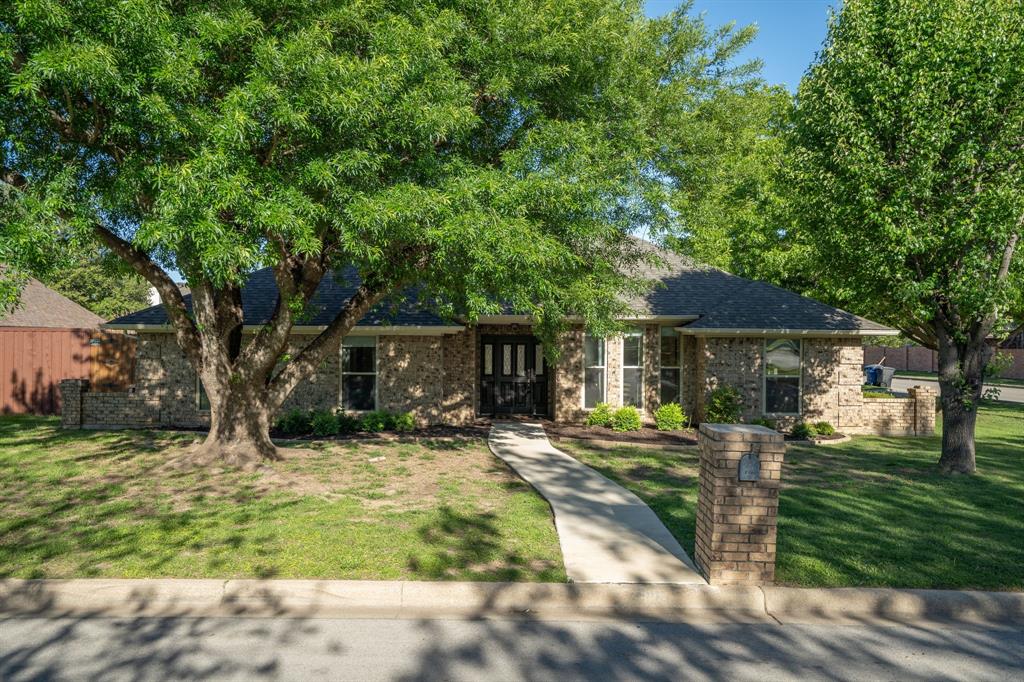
{"points": [[737, 507]]}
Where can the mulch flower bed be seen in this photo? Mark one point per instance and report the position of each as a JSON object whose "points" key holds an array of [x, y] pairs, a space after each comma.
{"points": [[646, 435], [473, 431]]}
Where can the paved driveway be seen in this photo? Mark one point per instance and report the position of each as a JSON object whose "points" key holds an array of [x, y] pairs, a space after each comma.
{"points": [[1011, 394]]}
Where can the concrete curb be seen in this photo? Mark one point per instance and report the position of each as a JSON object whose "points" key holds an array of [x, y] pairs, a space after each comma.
{"points": [[381, 599], [860, 604]]}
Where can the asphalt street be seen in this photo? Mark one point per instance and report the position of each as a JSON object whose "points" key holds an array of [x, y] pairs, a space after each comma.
{"points": [[504, 649], [1010, 394]]}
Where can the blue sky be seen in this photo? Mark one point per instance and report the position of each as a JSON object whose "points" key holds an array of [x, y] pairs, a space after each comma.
{"points": [[790, 31]]}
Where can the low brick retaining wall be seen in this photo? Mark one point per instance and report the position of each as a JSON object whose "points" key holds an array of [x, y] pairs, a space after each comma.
{"points": [[913, 415], [84, 409]]}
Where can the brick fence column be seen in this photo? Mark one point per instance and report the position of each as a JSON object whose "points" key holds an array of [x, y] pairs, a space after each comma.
{"points": [[737, 507], [924, 398], [71, 391]]}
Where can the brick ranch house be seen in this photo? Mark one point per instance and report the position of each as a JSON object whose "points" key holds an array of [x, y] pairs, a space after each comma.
{"points": [[792, 359]]}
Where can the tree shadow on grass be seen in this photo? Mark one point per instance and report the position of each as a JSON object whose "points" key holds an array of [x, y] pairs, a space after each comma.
{"points": [[470, 546]]}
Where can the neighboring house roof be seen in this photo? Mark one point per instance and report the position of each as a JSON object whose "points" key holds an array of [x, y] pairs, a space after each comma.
{"points": [[41, 306], [703, 299]]}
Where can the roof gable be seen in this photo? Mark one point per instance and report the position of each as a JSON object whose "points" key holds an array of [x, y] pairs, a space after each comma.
{"points": [[41, 306]]}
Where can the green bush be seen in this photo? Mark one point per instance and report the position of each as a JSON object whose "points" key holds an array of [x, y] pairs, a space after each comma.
{"points": [[627, 419], [378, 421], [723, 406], [348, 424], [324, 423], [670, 417], [294, 423], [803, 431], [824, 428], [764, 421], [405, 422], [601, 415]]}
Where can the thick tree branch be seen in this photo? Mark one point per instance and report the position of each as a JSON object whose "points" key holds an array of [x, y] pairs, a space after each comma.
{"points": [[310, 357], [185, 329]]}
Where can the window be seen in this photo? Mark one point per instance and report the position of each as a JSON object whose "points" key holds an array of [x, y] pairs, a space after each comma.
{"points": [[202, 400], [632, 368], [670, 366], [488, 359], [359, 373], [782, 376], [593, 371]]}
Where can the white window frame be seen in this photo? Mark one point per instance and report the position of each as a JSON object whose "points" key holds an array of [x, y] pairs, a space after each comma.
{"points": [[764, 379], [604, 372], [638, 333], [679, 360], [342, 373]]}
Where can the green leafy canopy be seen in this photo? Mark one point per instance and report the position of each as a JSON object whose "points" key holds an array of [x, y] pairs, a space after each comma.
{"points": [[488, 151], [907, 163]]}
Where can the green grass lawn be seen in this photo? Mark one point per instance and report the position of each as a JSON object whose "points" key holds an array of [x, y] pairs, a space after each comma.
{"points": [[91, 504], [870, 512]]}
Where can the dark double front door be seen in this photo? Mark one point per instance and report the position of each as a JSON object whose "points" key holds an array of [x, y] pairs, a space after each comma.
{"points": [[513, 376]]}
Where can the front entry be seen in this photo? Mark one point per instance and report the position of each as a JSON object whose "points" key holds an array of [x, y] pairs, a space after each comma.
{"points": [[513, 376]]}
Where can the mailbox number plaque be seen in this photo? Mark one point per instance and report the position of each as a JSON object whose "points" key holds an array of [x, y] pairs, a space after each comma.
{"points": [[750, 467]]}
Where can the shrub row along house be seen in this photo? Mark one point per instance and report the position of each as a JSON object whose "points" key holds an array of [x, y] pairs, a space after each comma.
{"points": [[791, 358]]}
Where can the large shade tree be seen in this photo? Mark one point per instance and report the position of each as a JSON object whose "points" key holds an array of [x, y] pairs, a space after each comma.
{"points": [[476, 152], [907, 172]]}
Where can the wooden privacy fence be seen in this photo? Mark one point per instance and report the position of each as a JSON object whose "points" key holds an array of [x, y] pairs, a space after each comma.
{"points": [[33, 360]]}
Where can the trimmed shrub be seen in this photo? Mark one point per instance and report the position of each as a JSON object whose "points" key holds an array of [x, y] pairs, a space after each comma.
{"points": [[324, 423], [294, 423], [377, 421], [601, 415], [670, 417], [405, 422], [348, 424], [723, 406], [627, 419], [764, 421], [824, 428], [803, 431]]}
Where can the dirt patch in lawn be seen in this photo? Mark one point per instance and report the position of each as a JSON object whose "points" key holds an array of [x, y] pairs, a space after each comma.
{"points": [[398, 507]]}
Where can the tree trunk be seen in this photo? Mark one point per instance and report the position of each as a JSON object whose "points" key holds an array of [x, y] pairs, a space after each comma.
{"points": [[240, 420], [961, 378]]}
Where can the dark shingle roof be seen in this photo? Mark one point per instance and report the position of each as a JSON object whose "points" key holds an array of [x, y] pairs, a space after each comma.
{"points": [[259, 296], [41, 306], [720, 301]]}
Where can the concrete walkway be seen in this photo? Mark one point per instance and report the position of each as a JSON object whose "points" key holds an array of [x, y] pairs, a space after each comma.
{"points": [[608, 535]]}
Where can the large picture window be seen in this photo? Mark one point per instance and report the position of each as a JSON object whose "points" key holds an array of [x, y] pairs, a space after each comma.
{"points": [[593, 371], [782, 376], [359, 373], [632, 368], [670, 366]]}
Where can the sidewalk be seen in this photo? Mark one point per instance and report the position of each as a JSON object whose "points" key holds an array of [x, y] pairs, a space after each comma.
{"points": [[540, 601], [607, 534]]}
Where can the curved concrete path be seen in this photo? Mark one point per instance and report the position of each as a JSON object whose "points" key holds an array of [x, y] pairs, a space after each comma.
{"points": [[607, 534]]}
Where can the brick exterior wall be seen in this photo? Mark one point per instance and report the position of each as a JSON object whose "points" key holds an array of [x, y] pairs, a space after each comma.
{"points": [[410, 373], [736, 520], [568, 396], [436, 378]]}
